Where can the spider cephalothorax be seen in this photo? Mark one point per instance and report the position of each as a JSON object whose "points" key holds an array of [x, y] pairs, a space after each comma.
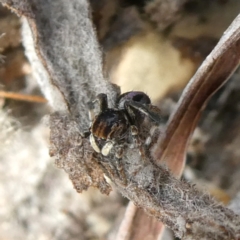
{"points": [[120, 126]]}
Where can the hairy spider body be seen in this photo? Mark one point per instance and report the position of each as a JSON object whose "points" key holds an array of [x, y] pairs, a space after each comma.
{"points": [[108, 127], [110, 124], [113, 129]]}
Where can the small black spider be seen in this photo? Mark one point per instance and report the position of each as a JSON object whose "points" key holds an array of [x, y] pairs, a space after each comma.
{"points": [[113, 126]]}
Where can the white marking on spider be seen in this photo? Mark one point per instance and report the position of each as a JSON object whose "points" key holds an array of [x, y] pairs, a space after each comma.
{"points": [[148, 141], [94, 144], [134, 130], [107, 148]]}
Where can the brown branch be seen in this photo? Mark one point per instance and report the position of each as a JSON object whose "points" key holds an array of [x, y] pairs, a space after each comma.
{"points": [[22, 97], [212, 74], [137, 224], [188, 212]]}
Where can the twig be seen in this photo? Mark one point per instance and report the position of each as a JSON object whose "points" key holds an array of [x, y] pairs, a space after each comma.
{"points": [[22, 97]]}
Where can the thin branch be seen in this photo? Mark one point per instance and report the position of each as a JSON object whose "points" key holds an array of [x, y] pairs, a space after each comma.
{"points": [[22, 97]]}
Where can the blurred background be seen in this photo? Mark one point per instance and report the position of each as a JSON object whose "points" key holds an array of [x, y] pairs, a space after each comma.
{"points": [[150, 45]]}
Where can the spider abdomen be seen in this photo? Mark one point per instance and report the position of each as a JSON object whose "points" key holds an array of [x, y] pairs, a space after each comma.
{"points": [[110, 124]]}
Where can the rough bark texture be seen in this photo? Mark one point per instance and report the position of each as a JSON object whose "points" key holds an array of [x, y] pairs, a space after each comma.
{"points": [[71, 62]]}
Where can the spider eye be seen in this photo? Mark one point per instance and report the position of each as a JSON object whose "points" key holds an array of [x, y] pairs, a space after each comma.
{"points": [[136, 96], [141, 97]]}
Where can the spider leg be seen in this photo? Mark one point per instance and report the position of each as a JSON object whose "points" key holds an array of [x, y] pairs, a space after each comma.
{"points": [[116, 163], [149, 110], [120, 166], [138, 143], [153, 136], [134, 136], [144, 146], [107, 148], [102, 101], [94, 144]]}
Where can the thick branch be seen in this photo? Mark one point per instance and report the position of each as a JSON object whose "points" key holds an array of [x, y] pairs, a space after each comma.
{"points": [[67, 48], [188, 212]]}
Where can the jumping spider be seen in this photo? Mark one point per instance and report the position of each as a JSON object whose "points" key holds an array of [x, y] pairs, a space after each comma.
{"points": [[113, 129]]}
